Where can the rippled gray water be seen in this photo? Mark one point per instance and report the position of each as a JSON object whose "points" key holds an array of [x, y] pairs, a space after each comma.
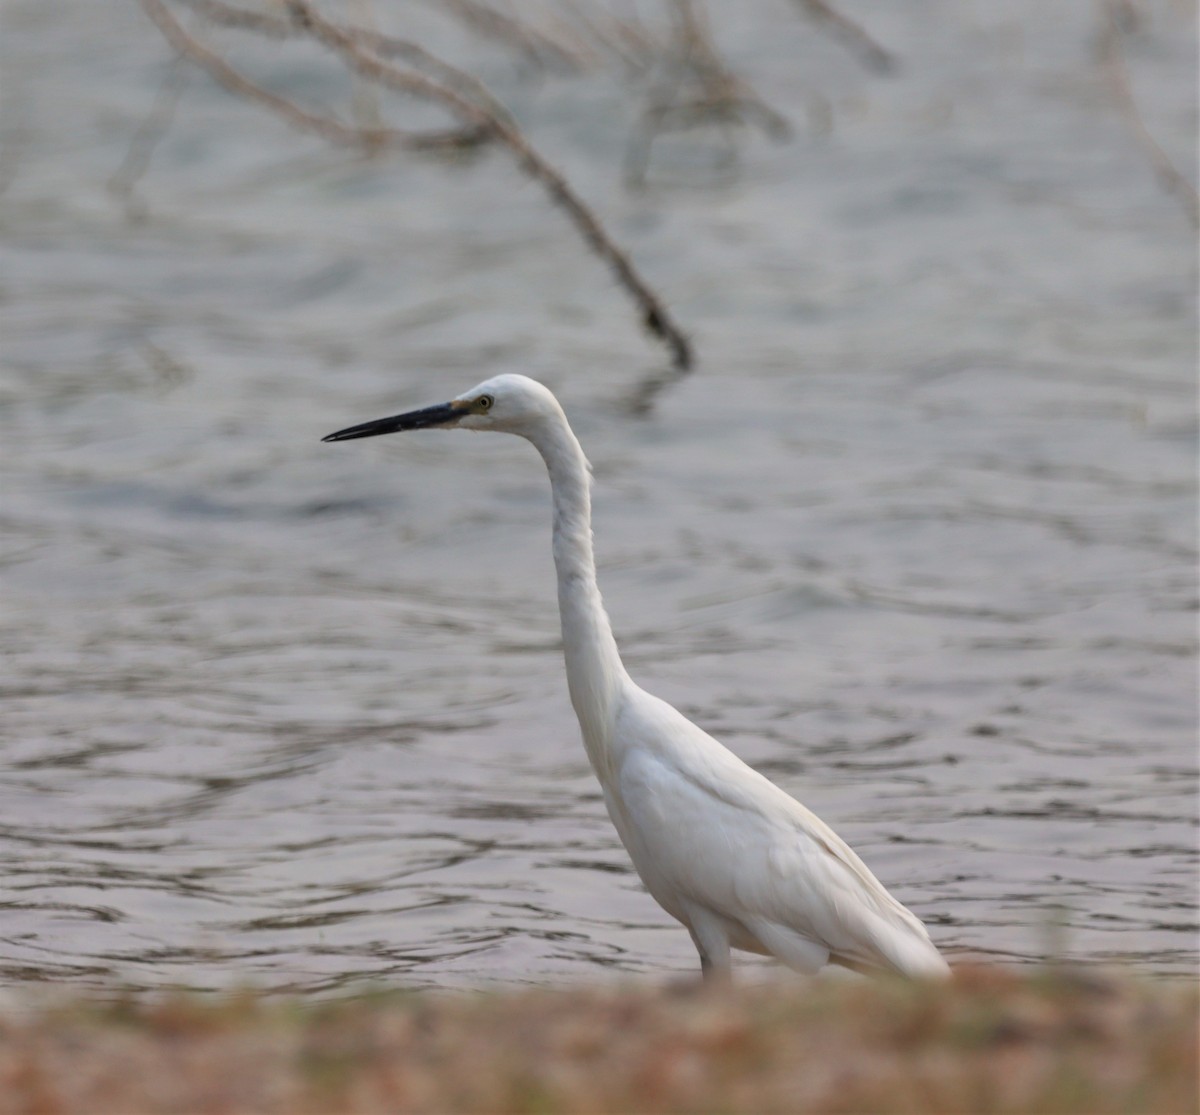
{"points": [[917, 539]]}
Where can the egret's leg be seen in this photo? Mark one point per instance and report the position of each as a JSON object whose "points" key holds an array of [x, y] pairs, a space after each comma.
{"points": [[714, 973], [711, 939]]}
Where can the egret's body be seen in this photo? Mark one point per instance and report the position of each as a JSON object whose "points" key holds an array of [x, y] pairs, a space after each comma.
{"points": [[739, 862]]}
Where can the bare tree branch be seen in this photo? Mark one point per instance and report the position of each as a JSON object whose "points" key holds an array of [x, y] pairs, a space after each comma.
{"points": [[655, 316], [1117, 74], [480, 115]]}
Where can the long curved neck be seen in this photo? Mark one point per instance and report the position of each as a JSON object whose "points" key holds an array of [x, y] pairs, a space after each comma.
{"points": [[594, 670]]}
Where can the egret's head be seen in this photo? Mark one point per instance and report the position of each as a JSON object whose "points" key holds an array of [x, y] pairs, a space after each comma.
{"points": [[509, 403]]}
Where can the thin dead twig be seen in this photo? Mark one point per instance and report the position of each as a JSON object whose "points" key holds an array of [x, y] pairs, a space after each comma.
{"points": [[386, 46], [536, 46], [1112, 57], [697, 89], [365, 108], [722, 86], [241, 19], [150, 133], [655, 316], [852, 35], [328, 128], [625, 40]]}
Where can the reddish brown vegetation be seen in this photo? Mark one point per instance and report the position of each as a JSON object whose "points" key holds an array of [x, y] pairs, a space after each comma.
{"points": [[988, 1042]]}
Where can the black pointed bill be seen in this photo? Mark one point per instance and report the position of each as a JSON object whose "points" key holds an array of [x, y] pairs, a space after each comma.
{"points": [[444, 414]]}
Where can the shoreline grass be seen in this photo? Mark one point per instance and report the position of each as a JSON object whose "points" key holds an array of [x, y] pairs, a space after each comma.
{"points": [[1056, 1041]]}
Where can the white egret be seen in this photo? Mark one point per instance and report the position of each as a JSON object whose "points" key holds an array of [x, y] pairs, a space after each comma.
{"points": [[739, 862]]}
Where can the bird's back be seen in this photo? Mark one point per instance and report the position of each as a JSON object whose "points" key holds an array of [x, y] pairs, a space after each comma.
{"points": [[708, 833]]}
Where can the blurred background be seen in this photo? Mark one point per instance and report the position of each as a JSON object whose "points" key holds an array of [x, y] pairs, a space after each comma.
{"points": [[915, 538]]}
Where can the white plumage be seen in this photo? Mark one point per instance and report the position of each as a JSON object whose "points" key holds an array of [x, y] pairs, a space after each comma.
{"points": [[739, 862]]}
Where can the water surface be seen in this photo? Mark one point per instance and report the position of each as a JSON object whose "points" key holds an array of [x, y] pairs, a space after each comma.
{"points": [[916, 539]]}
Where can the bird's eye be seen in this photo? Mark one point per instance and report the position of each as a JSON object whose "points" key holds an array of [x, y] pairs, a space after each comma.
{"points": [[484, 402]]}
